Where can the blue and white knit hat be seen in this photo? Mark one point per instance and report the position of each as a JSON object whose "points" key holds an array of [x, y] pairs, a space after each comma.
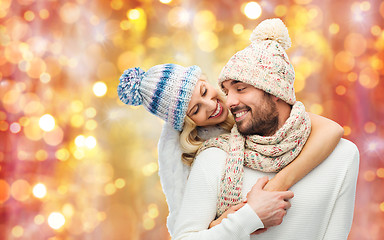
{"points": [[165, 90]]}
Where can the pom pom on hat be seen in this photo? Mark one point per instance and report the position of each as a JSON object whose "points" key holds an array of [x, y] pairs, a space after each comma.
{"points": [[272, 29], [128, 89]]}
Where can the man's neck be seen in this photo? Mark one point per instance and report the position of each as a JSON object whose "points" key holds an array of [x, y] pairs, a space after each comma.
{"points": [[284, 112]]}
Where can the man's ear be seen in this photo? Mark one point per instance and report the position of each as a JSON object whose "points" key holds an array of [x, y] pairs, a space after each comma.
{"points": [[275, 99]]}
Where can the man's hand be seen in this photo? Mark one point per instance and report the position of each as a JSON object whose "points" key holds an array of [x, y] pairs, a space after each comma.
{"points": [[232, 209], [271, 207]]}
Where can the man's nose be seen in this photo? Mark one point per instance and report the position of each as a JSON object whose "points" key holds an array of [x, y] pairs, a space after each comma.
{"points": [[232, 100]]}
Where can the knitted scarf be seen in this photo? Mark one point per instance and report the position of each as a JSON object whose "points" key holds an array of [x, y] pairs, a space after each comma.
{"points": [[266, 154]]}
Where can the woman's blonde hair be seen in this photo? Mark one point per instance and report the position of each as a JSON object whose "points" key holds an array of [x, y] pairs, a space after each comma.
{"points": [[190, 142]]}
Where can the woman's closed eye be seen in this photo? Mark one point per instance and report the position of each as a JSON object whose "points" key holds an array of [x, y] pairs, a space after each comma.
{"points": [[239, 89], [204, 92]]}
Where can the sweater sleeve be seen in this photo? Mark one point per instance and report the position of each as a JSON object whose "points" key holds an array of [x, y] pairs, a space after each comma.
{"points": [[198, 207], [342, 215]]}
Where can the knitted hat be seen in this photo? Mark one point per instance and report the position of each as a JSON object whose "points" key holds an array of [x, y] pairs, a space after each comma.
{"points": [[165, 90], [264, 64]]}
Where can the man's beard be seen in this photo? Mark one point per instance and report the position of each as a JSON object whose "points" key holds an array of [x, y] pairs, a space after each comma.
{"points": [[264, 121]]}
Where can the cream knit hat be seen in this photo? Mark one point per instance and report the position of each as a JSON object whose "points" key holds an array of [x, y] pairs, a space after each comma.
{"points": [[264, 64]]}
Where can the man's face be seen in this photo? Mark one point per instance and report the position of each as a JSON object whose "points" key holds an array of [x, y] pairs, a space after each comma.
{"points": [[255, 111]]}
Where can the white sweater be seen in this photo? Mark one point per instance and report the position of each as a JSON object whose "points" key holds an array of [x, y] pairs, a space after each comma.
{"points": [[322, 207]]}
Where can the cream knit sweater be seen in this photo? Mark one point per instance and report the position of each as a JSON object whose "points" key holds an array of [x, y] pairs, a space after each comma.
{"points": [[321, 209]]}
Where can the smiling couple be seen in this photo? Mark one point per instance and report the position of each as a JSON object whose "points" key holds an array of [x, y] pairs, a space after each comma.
{"points": [[240, 181]]}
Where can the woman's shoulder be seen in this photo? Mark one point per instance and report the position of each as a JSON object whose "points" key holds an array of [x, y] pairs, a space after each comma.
{"points": [[208, 132], [210, 158]]}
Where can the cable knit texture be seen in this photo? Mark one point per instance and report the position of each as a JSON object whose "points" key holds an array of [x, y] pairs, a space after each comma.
{"points": [[264, 64], [267, 154]]}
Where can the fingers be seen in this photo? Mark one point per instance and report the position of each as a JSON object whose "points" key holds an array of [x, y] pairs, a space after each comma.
{"points": [[237, 206], [261, 182], [287, 195]]}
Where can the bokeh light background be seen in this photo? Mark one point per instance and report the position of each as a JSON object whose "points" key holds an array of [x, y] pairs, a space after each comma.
{"points": [[75, 163]]}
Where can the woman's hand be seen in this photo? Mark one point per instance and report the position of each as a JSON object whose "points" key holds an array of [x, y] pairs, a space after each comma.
{"points": [[232, 209]]}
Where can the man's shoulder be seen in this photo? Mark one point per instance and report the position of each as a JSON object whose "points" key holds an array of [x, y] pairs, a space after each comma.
{"points": [[346, 153], [211, 156]]}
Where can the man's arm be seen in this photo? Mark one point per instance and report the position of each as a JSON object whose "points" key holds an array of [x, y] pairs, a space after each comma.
{"points": [[198, 208]]}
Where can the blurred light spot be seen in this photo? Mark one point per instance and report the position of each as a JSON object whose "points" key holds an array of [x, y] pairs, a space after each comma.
{"points": [[29, 16], [119, 183], [376, 62], [148, 223], [340, 90], [3, 126], [91, 125], [125, 25], [149, 169], [299, 83], [32, 131], [109, 189], [80, 141], [54, 137], [355, 44], [369, 78], [204, 21], [15, 127], [45, 78], [90, 142], [47, 122], [303, 2], [352, 76], [39, 219], [56, 220], [70, 13], [133, 14], [79, 154], [347, 130], [365, 6], [280, 10], [17, 231], [117, 4], [179, 17], [372, 146], [369, 176], [41, 155], [380, 172], [165, 1], [376, 30], [77, 120], [370, 127], [44, 14], [382, 9], [3, 115], [62, 189], [238, 28], [100, 89], [4, 191], [36, 68], [344, 61], [90, 112], [252, 10], [62, 154], [101, 216], [39, 190], [153, 211], [20, 190], [334, 28], [316, 108], [382, 206], [68, 210], [207, 41]]}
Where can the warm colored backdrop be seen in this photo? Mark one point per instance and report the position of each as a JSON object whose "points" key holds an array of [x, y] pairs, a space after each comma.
{"points": [[75, 163]]}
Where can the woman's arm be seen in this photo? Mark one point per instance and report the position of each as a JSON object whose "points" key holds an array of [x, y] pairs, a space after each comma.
{"points": [[324, 137]]}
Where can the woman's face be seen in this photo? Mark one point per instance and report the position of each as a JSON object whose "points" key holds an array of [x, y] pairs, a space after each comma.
{"points": [[205, 108]]}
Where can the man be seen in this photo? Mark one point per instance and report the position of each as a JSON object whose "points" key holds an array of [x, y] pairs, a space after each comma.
{"points": [[258, 82]]}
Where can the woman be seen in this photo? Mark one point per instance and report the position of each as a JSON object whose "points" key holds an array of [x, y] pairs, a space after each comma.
{"points": [[193, 112]]}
